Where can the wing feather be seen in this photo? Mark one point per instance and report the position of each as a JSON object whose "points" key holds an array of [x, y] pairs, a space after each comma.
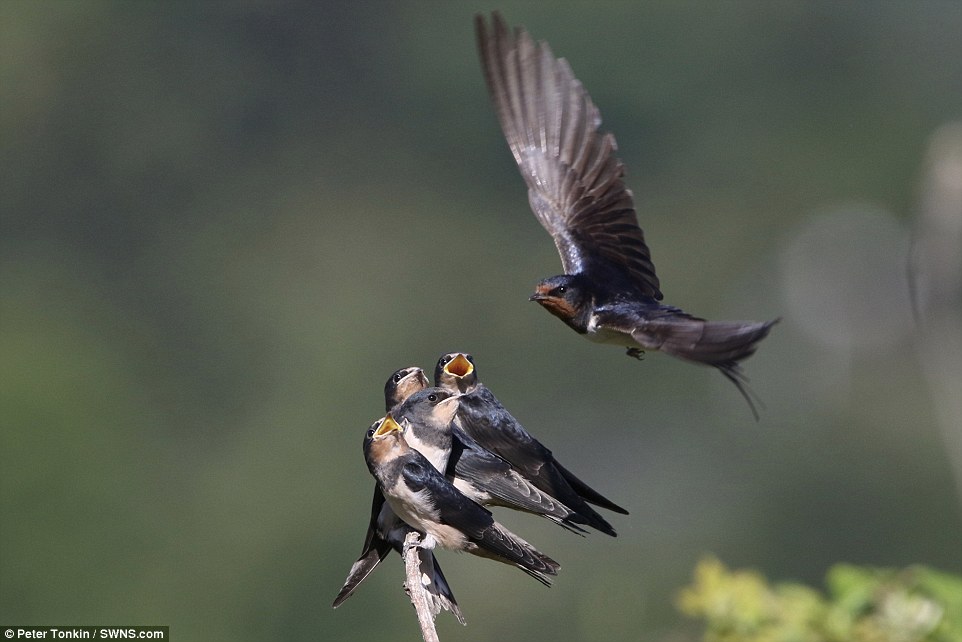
{"points": [[575, 181]]}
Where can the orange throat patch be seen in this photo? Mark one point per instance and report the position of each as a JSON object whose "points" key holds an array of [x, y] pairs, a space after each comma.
{"points": [[558, 307]]}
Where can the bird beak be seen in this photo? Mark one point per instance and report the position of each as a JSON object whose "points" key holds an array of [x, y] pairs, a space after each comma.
{"points": [[537, 296], [459, 366], [418, 375], [388, 425]]}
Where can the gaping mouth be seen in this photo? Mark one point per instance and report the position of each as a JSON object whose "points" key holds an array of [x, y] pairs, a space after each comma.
{"points": [[459, 366], [388, 425]]}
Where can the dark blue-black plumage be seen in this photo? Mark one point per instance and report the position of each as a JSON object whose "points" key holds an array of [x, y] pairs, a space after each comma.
{"points": [[482, 417], [609, 292], [427, 501]]}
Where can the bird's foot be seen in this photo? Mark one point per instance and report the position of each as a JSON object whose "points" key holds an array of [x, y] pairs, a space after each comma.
{"points": [[637, 353]]}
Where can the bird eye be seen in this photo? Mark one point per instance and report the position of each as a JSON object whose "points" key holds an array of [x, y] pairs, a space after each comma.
{"points": [[397, 377], [470, 358], [443, 360], [561, 289], [432, 397]]}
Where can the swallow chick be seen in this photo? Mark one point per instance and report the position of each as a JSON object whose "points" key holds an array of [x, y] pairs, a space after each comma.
{"points": [[402, 384], [429, 427], [386, 532], [428, 418], [482, 417], [424, 499], [609, 292], [490, 480]]}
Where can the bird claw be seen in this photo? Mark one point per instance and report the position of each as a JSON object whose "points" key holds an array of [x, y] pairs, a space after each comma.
{"points": [[637, 353]]}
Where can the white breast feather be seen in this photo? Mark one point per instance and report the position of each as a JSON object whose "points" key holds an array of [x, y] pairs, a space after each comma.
{"points": [[417, 509]]}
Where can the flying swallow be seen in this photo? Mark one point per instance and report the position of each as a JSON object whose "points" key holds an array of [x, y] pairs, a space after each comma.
{"points": [[402, 384], [609, 291], [486, 421], [421, 496]]}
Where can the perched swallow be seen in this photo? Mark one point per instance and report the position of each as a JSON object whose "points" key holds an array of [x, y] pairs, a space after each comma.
{"points": [[386, 532], [609, 291], [490, 480], [428, 502], [402, 384], [484, 477], [486, 421]]}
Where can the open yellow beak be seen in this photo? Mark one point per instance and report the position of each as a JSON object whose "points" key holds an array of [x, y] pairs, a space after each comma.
{"points": [[388, 425], [459, 366]]}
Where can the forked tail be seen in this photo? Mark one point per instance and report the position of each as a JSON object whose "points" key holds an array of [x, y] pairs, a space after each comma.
{"points": [[720, 344]]}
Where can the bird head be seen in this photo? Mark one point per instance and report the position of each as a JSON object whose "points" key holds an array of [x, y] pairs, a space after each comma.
{"points": [[402, 384], [432, 408], [455, 371], [383, 442], [566, 297]]}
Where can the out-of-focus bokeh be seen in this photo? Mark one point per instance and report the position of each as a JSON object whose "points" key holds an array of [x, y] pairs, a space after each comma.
{"points": [[225, 224]]}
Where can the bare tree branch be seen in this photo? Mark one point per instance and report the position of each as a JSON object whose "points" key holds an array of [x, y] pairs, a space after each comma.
{"points": [[415, 588]]}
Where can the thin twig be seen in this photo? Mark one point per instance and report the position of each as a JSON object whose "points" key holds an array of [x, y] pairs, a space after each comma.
{"points": [[415, 588]]}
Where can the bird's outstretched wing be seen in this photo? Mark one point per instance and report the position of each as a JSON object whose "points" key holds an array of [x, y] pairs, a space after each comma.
{"points": [[574, 179]]}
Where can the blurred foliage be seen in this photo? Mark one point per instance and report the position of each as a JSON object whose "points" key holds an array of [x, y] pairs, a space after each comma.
{"points": [[863, 604]]}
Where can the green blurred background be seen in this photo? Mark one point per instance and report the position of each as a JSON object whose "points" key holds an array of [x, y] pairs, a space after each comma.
{"points": [[225, 224]]}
